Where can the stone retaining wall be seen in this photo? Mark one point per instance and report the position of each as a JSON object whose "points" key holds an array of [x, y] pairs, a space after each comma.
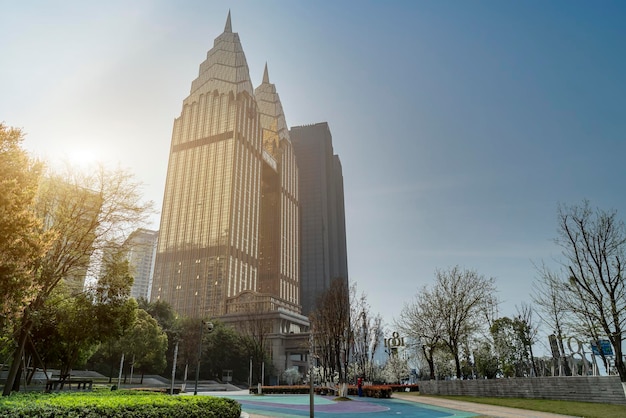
{"points": [[602, 389]]}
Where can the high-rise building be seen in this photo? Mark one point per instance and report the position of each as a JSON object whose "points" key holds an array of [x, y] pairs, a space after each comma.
{"points": [[141, 246], [322, 216], [228, 239]]}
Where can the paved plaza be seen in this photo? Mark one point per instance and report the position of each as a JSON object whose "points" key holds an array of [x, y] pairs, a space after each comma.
{"points": [[297, 406], [401, 405]]}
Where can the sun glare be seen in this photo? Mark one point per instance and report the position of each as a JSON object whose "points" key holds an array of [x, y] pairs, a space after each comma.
{"points": [[82, 157]]}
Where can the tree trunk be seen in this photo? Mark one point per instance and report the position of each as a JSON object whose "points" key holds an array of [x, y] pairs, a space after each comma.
{"points": [[12, 382], [532, 360], [457, 363], [454, 349], [619, 359], [430, 361]]}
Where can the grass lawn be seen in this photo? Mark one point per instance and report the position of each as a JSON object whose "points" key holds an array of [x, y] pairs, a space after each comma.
{"points": [[577, 409]]}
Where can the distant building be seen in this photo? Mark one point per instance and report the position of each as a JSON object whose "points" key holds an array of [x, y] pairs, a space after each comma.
{"points": [[141, 246], [322, 214]]}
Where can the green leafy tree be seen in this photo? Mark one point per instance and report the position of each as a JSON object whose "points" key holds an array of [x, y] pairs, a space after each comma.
{"points": [[190, 332], [63, 336], [88, 215], [513, 339], [485, 360], [70, 327], [115, 310], [169, 322], [21, 244], [509, 347], [161, 311], [224, 349], [146, 343]]}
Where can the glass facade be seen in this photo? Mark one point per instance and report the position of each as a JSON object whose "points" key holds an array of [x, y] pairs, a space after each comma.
{"points": [[141, 252], [323, 242]]}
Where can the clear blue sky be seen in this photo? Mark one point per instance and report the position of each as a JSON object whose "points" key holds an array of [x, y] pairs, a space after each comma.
{"points": [[460, 124]]}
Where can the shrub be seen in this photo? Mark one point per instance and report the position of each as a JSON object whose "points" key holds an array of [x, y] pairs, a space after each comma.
{"points": [[282, 390], [117, 404], [377, 391], [373, 391]]}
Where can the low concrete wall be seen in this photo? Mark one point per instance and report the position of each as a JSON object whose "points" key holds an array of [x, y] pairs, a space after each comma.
{"points": [[602, 389]]}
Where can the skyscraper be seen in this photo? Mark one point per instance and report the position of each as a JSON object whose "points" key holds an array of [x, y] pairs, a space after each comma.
{"points": [[229, 229], [323, 242], [141, 246]]}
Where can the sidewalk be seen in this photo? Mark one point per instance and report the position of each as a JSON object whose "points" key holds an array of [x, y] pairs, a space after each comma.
{"points": [[477, 408]]}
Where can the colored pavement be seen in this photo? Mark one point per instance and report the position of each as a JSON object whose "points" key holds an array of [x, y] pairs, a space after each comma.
{"points": [[297, 406], [403, 405]]}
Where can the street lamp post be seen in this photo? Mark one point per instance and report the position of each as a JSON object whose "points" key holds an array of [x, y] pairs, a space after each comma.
{"points": [[250, 378], [209, 328], [311, 389], [174, 367]]}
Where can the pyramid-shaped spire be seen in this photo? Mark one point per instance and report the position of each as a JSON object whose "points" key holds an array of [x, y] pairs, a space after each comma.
{"points": [[225, 68], [266, 77], [272, 115], [228, 28]]}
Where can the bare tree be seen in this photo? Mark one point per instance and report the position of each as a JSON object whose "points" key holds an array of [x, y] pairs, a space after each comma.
{"points": [[367, 332], [256, 332], [594, 256], [331, 325], [548, 295], [423, 324], [461, 297], [255, 325], [528, 331]]}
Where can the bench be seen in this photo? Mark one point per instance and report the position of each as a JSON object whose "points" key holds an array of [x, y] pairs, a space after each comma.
{"points": [[54, 384]]}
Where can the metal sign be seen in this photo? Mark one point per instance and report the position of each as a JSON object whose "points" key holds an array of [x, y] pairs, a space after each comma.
{"points": [[554, 347], [395, 340], [602, 346]]}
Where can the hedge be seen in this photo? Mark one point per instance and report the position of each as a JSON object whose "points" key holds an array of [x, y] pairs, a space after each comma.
{"points": [[116, 404], [405, 388]]}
